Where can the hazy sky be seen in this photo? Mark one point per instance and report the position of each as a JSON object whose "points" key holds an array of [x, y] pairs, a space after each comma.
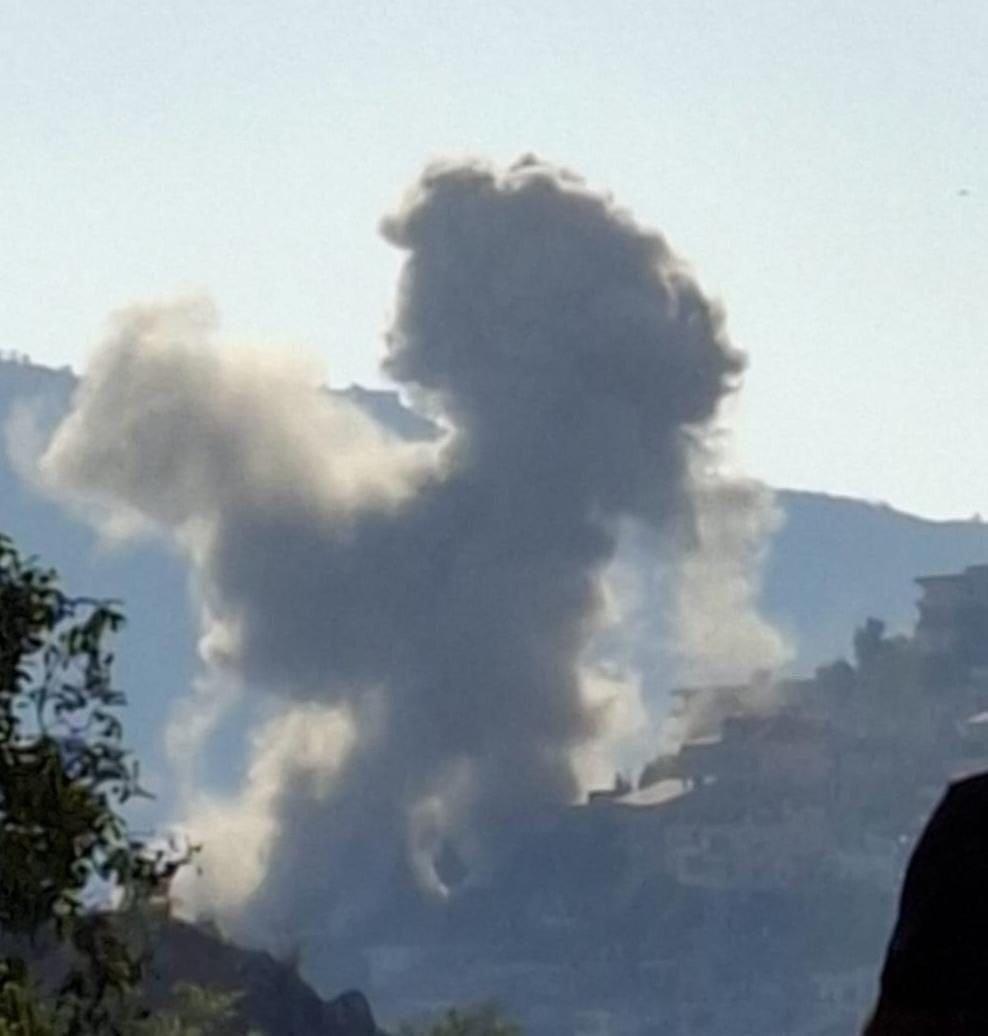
{"points": [[822, 164]]}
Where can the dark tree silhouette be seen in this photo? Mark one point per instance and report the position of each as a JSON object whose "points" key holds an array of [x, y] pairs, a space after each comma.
{"points": [[64, 776], [935, 978]]}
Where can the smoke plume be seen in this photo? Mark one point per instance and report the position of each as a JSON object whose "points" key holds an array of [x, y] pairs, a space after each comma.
{"points": [[719, 634], [411, 623]]}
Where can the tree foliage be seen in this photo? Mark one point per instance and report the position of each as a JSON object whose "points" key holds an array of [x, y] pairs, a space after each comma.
{"points": [[195, 1011], [64, 776], [485, 1020]]}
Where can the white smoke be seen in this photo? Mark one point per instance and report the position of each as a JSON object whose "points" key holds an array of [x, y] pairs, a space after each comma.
{"points": [[719, 634]]}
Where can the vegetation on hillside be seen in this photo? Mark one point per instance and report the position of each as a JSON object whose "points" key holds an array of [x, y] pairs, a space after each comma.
{"points": [[76, 883], [485, 1020]]}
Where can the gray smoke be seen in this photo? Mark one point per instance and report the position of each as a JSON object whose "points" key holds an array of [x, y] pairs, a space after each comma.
{"points": [[423, 614]]}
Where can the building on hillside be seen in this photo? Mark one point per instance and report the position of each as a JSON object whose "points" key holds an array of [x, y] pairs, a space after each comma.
{"points": [[787, 749], [953, 615], [773, 842], [745, 853]]}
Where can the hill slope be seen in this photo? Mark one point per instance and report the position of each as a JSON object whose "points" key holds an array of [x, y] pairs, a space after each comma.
{"points": [[833, 563], [836, 561]]}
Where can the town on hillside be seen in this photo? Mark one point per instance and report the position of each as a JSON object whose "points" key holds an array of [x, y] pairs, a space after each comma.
{"points": [[748, 882]]}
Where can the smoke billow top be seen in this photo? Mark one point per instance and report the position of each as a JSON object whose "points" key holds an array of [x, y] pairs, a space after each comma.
{"points": [[409, 626]]}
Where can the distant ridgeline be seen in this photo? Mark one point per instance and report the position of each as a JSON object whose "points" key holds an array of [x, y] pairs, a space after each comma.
{"points": [[833, 561], [748, 883]]}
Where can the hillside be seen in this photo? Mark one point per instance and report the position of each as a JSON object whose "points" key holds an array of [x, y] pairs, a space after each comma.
{"points": [[275, 999], [271, 997], [833, 562]]}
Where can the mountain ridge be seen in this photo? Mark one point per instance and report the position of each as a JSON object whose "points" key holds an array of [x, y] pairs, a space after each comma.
{"points": [[833, 562]]}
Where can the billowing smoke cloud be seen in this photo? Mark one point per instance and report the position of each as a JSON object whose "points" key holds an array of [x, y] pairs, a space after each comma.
{"points": [[422, 614]]}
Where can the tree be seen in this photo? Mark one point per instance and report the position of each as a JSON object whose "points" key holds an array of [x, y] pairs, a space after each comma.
{"points": [[485, 1020], [23, 1011], [195, 1011], [64, 777]]}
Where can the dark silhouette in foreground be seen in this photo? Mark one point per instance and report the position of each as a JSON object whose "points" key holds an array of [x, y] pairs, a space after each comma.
{"points": [[935, 977]]}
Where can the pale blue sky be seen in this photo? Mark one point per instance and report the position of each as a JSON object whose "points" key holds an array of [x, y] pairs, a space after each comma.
{"points": [[805, 156]]}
